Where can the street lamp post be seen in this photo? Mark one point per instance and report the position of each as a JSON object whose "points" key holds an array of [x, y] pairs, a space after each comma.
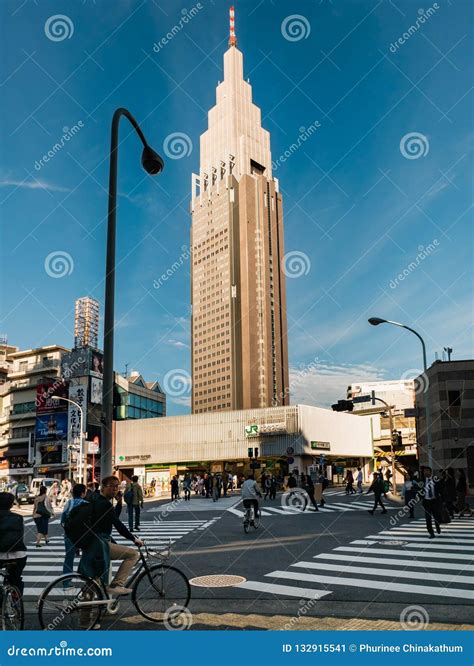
{"points": [[81, 435], [153, 164], [375, 321]]}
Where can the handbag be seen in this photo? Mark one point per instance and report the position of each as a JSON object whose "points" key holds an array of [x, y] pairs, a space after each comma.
{"points": [[42, 510]]}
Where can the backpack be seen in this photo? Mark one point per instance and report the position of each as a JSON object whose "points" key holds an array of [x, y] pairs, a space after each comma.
{"points": [[128, 495], [78, 525]]}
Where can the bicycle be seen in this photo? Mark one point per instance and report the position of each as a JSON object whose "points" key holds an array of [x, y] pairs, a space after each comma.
{"points": [[74, 601], [251, 518], [11, 604]]}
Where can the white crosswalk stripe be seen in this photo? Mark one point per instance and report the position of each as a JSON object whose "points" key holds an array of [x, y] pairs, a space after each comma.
{"points": [[409, 564], [337, 507], [46, 563]]}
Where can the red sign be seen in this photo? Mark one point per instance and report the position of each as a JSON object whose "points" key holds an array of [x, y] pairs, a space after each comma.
{"points": [[45, 404]]}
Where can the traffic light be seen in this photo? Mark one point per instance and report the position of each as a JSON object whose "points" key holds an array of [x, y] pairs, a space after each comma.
{"points": [[256, 452], [343, 406], [399, 439], [250, 452]]}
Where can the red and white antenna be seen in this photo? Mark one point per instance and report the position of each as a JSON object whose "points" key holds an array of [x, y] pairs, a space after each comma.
{"points": [[232, 37]]}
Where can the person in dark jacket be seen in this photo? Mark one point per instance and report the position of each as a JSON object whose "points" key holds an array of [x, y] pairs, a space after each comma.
{"points": [[78, 494], [174, 488], [377, 487], [461, 491], [273, 487], [12, 545], [93, 491], [309, 487], [431, 494]]}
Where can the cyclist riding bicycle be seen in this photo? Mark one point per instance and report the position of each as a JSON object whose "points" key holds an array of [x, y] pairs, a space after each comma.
{"points": [[250, 492], [96, 555]]}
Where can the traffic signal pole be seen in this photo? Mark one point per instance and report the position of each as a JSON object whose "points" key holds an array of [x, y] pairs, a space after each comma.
{"points": [[392, 452]]}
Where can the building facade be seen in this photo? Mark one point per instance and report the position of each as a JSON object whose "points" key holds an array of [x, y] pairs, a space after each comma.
{"points": [[287, 438], [450, 391], [238, 324], [27, 371]]}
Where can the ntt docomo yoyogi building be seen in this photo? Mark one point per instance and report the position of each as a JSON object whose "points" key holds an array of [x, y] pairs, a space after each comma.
{"points": [[287, 438]]}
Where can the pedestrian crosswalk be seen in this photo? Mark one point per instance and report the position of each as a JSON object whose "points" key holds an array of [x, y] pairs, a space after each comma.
{"points": [[401, 560], [356, 505], [196, 504], [46, 563]]}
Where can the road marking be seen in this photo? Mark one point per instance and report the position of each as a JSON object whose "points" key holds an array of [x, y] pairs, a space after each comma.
{"points": [[380, 585], [408, 553], [385, 560], [395, 573], [301, 592], [439, 542]]}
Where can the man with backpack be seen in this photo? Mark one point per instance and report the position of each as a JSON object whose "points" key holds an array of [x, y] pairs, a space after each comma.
{"points": [[133, 497], [78, 494], [89, 526]]}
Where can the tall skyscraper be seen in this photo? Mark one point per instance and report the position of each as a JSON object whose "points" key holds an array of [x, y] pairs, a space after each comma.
{"points": [[239, 328]]}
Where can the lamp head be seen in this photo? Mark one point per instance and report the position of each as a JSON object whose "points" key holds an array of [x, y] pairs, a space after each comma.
{"points": [[55, 397], [151, 161], [375, 321]]}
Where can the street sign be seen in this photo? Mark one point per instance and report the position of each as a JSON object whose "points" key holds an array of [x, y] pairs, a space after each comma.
{"points": [[321, 445], [290, 450], [362, 398], [291, 461]]}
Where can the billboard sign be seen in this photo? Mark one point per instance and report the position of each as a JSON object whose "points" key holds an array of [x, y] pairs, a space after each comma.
{"points": [[82, 362], [78, 394], [44, 397], [96, 391], [51, 427]]}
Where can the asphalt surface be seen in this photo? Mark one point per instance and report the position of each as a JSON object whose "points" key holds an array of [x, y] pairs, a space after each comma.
{"points": [[342, 563]]}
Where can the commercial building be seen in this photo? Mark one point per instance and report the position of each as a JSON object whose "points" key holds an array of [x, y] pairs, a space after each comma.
{"points": [[238, 324], [27, 371], [287, 438], [450, 388]]}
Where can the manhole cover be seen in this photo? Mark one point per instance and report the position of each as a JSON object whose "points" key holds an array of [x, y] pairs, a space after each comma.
{"points": [[393, 543], [217, 580]]}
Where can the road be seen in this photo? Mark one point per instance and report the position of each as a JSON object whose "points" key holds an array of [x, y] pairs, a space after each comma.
{"points": [[301, 570]]}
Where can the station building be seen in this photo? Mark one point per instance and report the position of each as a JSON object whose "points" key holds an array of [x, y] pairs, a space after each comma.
{"points": [[297, 437]]}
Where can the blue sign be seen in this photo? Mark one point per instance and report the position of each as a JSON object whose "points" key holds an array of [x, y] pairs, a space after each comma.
{"points": [[291, 460], [51, 427]]}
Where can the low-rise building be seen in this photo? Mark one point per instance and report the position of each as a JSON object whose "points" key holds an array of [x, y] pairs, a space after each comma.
{"points": [[287, 438], [449, 386]]}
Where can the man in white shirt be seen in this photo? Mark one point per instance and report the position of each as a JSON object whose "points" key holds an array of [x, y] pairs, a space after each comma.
{"points": [[359, 479], [431, 501]]}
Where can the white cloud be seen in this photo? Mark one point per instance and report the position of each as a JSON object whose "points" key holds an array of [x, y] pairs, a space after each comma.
{"points": [[178, 344], [32, 185], [323, 383], [185, 400]]}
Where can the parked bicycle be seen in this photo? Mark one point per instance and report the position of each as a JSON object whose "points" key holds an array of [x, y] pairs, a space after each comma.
{"points": [[11, 603], [251, 517], [77, 602]]}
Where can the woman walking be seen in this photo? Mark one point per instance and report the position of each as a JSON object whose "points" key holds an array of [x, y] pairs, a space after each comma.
{"points": [[350, 483], [42, 512], [309, 487]]}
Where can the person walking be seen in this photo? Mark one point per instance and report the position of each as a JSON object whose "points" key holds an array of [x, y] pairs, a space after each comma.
{"points": [[207, 485], [225, 483], [273, 487], [309, 487], [461, 491], [215, 488], [266, 486], [93, 491], [350, 483], [377, 487], [174, 488], [359, 478], [42, 512], [134, 501], [450, 491], [187, 488], [409, 492], [12, 541], [78, 497], [430, 491], [53, 493]]}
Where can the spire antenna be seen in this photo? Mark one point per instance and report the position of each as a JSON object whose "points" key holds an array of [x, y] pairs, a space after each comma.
{"points": [[232, 37]]}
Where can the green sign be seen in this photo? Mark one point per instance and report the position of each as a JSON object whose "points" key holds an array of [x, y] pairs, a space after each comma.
{"points": [[321, 445], [252, 430]]}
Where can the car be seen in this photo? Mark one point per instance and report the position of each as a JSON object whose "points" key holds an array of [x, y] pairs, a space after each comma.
{"points": [[22, 493]]}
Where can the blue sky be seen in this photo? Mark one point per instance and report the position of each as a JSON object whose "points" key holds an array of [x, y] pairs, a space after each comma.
{"points": [[361, 197]]}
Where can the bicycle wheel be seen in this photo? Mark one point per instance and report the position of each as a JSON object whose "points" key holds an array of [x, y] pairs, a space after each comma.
{"points": [[60, 604], [159, 590], [246, 522], [13, 615], [256, 520]]}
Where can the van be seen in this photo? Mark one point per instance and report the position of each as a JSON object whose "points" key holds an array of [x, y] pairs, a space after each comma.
{"points": [[37, 482]]}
